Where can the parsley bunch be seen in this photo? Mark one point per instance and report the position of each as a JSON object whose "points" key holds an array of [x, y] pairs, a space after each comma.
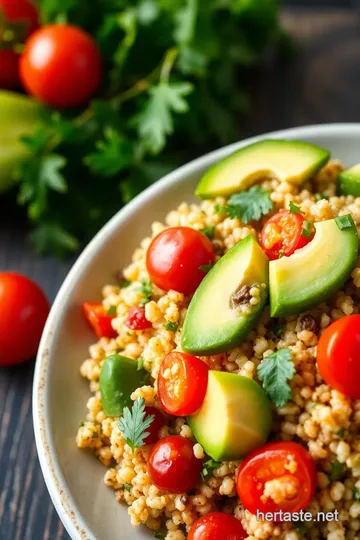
{"points": [[173, 88]]}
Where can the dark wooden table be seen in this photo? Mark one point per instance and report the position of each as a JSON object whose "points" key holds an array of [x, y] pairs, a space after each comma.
{"points": [[321, 85]]}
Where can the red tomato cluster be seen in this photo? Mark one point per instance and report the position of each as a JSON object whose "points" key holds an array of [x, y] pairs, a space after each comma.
{"points": [[61, 64]]}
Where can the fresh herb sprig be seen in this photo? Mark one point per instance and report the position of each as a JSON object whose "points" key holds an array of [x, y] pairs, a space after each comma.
{"points": [[135, 423], [250, 205], [275, 371]]}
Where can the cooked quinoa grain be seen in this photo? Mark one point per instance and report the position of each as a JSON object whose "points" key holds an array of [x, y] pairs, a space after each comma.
{"points": [[323, 420]]}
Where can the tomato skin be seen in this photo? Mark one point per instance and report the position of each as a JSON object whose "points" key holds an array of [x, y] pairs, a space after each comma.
{"points": [[338, 355], [61, 66], [23, 313], [172, 465], [158, 422], [182, 393], [217, 526], [15, 11], [281, 235], [136, 319], [174, 258], [98, 320], [267, 463]]}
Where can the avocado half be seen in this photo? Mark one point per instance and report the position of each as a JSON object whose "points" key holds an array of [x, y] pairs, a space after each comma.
{"points": [[349, 181], [234, 418], [315, 272], [212, 323], [293, 161]]}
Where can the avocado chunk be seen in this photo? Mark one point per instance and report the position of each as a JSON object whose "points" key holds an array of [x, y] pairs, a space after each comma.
{"points": [[293, 161], [235, 417], [349, 181], [119, 377], [315, 272], [221, 312]]}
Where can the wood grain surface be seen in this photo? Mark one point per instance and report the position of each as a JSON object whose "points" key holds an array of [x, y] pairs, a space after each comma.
{"points": [[322, 84]]}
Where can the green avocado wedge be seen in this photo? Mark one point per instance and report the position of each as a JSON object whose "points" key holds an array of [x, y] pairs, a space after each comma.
{"points": [[119, 377], [215, 321], [234, 418], [315, 272], [293, 161], [349, 181], [19, 115]]}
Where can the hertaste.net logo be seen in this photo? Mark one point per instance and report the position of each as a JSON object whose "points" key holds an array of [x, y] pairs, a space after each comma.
{"points": [[297, 517]]}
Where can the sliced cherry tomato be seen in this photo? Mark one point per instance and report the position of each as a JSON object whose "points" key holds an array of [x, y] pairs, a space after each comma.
{"points": [[98, 320], [182, 383], [158, 422], [338, 355], [277, 476], [175, 257], [217, 526], [172, 465], [136, 319], [61, 65], [20, 20], [282, 235], [24, 310]]}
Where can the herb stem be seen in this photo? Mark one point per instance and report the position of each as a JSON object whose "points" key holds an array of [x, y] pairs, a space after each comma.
{"points": [[168, 64]]}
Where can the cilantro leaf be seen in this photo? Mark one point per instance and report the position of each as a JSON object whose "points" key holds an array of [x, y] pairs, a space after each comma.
{"points": [[208, 231], [146, 289], [337, 470], [319, 196], [341, 433], [124, 283], [356, 493], [49, 236], [155, 122], [171, 326], [274, 372], [208, 467], [277, 329], [250, 205], [185, 22], [112, 155], [134, 423], [159, 535], [111, 311], [294, 209], [128, 487]]}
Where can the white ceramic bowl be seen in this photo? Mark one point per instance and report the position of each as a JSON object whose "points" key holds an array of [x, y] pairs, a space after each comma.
{"points": [[74, 477]]}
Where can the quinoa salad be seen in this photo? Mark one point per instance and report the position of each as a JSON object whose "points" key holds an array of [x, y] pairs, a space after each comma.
{"points": [[225, 379]]}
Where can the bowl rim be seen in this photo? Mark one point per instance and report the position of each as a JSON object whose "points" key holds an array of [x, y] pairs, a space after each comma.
{"points": [[54, 479]]}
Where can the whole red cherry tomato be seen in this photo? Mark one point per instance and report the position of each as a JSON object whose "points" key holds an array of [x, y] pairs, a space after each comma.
{"points": [[175, 259], [61, 65], [283, 234], [217, 526], [21, 19], [277, 476], [24, 310], [182, 383], [157, 423], [338, 355], [136, 319], [172, 465], [99, 320]]}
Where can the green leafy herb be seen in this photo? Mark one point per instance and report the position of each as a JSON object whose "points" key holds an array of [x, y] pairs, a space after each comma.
{"points": [[277, 329], [274, 372], [171, 326], [127, 487], [206, 267], [220, 208], [341, 432], [208, 231], [294, 209], [307, 229], [345, 222], [111, 311], [95, 435], [140, 363], [125, 283], [356, 493], [337, 470], [134, 424], [159, 534], [250, 205], [82, 424], [208, 467], [319, 196], [146, 289]]}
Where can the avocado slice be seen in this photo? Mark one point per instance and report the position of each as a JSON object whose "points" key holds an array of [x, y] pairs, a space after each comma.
{"points": [[293, 161], [349, 181], [315, 272], [220, 314], [235, 417], [119, 377]]}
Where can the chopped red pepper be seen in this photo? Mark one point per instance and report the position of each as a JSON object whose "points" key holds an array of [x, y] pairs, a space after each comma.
{"points": [[136, 319], [98, 320]]}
